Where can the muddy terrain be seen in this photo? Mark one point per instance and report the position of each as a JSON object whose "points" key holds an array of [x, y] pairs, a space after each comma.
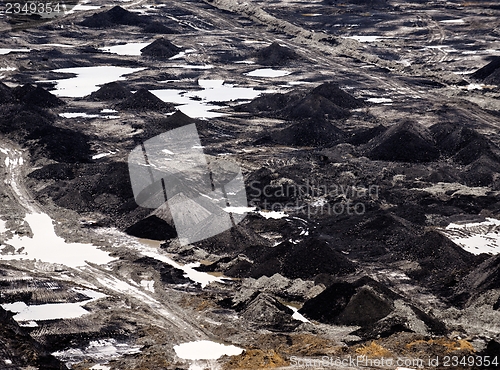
{"points": [[366, 135]]}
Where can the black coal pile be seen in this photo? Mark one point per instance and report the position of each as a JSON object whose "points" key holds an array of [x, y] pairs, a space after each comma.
{"points": [[276, 55], [6, 95], [21, 349], [300, 259], [364, 135], [268, 103], [152, 227], [483, 278], [316, 107], [234, 240], [339, 97], [111, 91], [490, 73], [310, 132], [468, 147], [161, 48], [268, 312], [145, 100], [114, 16], [385, 237], [91, 187], [30, 95], [158, 28], [325, 101], [462, 143], [369, 304], [404, 142]]}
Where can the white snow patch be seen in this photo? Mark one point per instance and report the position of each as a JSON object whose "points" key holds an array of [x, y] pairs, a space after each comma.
{"points": [[78, 115], [296, 315], [476, 237], [192, 66], [148, 285], [267, 72], [362, 38], [453, 21], [205, 350], [379, 100], [7, 51]]}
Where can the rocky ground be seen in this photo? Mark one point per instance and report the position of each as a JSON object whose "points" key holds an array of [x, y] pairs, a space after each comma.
{"points": [[366, 132]]}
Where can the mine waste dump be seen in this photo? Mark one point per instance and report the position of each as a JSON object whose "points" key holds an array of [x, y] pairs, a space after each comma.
{"points": [[250, 185]]}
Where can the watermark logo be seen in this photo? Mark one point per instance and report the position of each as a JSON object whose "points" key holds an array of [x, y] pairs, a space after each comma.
{"points": [[22, 14], [171, 172], [311, 198]]}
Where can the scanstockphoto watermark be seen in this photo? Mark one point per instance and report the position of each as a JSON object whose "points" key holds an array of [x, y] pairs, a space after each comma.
{"points": [[312, 198], [358, 361]]}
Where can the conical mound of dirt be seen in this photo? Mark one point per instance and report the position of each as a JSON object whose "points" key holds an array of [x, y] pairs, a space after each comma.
{"points": [[311, 132], [111, 91], [112, 17], [275, 55], [145, 100], [305, 260], [342, 303], [339, 97], [481, 172], [326, 101], [362, 136], [161, 48], [37, 96], [316, 107], [483, 278], [464, 144], [176, 120], [6, 95], [488, 69], [267, 103], [269, 312], [404, 142], [158, 28], [366, 303], [153, 228]]}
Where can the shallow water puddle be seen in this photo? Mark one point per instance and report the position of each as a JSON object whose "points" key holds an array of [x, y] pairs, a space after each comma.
{"points": [[51, 311], [46, 246], [132, 48], [88, 79], [205, 350], [196, 103], [267, 72]]}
